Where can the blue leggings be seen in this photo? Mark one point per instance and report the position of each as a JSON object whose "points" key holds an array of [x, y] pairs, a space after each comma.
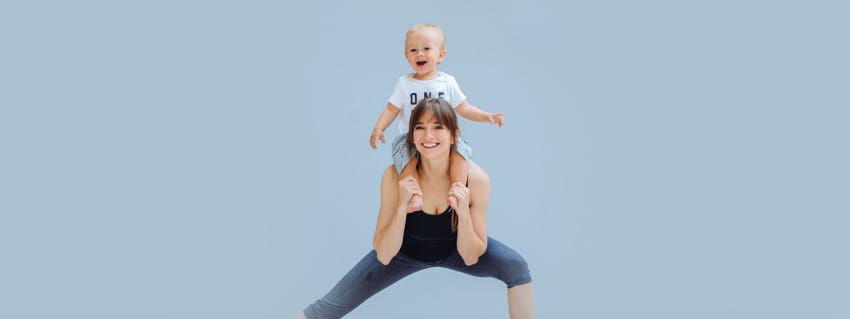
{"points": [[369, 276]]}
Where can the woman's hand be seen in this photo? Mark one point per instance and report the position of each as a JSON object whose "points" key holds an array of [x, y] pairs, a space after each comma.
{"points": [[406, 189], [460, 192]]}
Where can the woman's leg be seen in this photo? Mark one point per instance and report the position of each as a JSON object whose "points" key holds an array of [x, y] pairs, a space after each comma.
{"points": [[503, 263], [521, 301], [364, 280]]}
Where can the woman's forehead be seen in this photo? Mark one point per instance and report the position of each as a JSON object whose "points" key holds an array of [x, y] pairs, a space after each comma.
{"points": [[428, 117]]}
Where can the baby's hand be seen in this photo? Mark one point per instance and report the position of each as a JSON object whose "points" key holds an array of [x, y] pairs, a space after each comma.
{"points": [[496, 118], [373, 140]]}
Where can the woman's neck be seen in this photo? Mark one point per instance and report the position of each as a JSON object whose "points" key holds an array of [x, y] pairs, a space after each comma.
{"points": [[433, 170]]}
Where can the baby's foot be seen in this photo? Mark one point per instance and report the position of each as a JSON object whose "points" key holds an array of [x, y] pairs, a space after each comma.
{"points": [[453, 202], [415, 204]]}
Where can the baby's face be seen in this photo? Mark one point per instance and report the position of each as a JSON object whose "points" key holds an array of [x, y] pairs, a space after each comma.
{"points": [[424, 51]]}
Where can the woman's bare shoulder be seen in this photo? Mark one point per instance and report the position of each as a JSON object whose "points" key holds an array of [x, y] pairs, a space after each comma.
{"points": [[477, 175], [390, 174]]}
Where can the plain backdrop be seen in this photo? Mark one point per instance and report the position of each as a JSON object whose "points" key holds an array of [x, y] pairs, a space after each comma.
{"points": [[210, 159]]}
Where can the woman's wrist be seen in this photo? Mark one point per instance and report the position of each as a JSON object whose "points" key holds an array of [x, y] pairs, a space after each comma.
{"points": [[401, 209], [463, 213]]}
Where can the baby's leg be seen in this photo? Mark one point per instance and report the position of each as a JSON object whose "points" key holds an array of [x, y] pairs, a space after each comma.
{"points": [[415, 203], [458, 172]]}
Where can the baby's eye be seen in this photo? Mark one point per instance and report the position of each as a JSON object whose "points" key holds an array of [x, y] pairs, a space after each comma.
{"points": [[427, 48], [412, 50]]}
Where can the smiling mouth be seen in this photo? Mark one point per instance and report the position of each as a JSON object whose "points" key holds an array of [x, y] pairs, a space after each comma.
{"points": [[420, 63], [430, 145]]}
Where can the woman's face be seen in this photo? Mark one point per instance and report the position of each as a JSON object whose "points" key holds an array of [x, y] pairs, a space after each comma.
{"points": [[432, 139]]}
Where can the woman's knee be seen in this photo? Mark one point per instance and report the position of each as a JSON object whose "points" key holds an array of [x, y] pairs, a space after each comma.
{"points": [[515, 270], [512, 267]]}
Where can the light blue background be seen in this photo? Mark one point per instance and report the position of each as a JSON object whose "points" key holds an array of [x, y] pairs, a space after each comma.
{"points": [[209, 159]]}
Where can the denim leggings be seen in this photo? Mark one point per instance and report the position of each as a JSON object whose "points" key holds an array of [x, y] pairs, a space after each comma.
{"points": [[369, 276]]}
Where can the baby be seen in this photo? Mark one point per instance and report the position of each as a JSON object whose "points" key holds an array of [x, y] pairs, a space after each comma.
{"points": [[425, 48]]}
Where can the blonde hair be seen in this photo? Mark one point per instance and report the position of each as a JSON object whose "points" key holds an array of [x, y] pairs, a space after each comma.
{"points": [[422, 26]]}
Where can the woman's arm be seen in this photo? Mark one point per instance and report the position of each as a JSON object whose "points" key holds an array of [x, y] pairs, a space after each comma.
{"points": [[472, 214], [389, 230]]}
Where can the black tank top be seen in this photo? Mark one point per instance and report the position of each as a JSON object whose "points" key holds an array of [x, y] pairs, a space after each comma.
{"points": [[429, 237]]}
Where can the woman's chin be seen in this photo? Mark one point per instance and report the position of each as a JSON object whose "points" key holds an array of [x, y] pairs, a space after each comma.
{"points": [[432, 154]]}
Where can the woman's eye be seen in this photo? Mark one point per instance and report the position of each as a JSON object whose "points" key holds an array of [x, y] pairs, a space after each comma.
{"points": [[417, 127]]}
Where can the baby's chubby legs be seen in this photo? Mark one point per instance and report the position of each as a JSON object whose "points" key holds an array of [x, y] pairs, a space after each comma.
{"points": [[458, 172], [415, 203]]}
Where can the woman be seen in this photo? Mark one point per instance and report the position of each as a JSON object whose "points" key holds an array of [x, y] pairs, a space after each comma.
{"points": [[436, 236]]}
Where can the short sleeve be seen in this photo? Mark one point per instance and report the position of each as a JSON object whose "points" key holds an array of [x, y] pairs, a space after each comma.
{"points": [[456, 96], [397, 98]]}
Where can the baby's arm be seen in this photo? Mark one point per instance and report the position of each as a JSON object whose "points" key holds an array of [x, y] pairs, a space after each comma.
{"points": [[387, 116], [472, 113]]}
